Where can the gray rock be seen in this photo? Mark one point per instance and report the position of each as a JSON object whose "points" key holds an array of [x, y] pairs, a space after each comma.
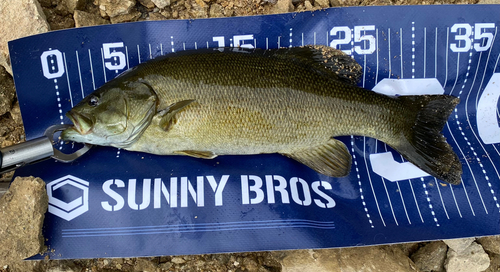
{"points": [[490, 243], [19, 18], [23, 209], [282, 6], [459, 245], [153, 16], [308, 5], [161, 3], [83, 18], [322, 3], [344, 3], [73, 5], [216, 10], [430, 257], [7, 91], [113, 8], [374, 259], [489, 2], [178, 260], [494, 263], [147, 3], [471, 259], [129, 17]]}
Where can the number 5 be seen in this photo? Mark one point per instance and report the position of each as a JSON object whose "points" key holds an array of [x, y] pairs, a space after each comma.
{"points": [[108, 54], [487, 35], [358, 38]]}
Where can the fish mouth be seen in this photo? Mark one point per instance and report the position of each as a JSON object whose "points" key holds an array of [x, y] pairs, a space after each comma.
{"points": [[82, 124]]}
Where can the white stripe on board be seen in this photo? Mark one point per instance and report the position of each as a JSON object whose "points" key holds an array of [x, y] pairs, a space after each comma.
{"points": [[441, 197], [359, 183], [67, 79], [103, 67], [387, 192], [429, 202], [446, 49], [435, 54], [390, 57], [425, 50], [401, 50], [376, 49], [413, 50], [370, 180], [416, 203], [126, 53], [79, 72], [139, 54], [91, 70]]}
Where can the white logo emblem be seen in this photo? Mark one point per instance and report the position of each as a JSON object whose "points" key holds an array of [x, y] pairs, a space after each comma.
{"points": [[68, 210]]}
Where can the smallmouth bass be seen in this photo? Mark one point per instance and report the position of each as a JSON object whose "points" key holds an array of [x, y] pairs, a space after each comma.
{"points": [[210, 102]]}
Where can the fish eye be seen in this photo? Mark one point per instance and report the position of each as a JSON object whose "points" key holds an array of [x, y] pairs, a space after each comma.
{"points": [[93, 101]]}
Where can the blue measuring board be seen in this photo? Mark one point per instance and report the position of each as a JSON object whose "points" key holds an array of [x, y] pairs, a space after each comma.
{"points": [[115, 203]]}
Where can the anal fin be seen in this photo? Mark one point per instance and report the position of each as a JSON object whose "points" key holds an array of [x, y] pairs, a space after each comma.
{"points": [[331, 158], [197, 154]]}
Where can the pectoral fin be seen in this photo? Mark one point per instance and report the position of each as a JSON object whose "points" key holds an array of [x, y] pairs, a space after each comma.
{"points": [[331, 158], [197, 154], [167, 115]]}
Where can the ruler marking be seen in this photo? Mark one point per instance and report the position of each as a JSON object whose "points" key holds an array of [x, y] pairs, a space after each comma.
{"points": [[412, 49], [390, 57], [441, 197], [103, 67], [425, 50], [128, 61], [91, 70], [401, 49], [376, 49], [446, 48], [470, 169], [359, 183], [139, 54], [370, 180], [67, 79], [435, 54], [79, 72]]}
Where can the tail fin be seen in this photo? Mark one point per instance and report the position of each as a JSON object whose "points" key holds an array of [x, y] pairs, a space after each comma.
{"points": [[422, 142]]}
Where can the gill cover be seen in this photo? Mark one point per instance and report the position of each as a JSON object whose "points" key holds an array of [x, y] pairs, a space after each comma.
{"points": [[114, 115]]}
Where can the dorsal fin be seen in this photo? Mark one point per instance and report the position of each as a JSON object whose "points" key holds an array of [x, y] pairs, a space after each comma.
{"points": [[323, 58], [336, 61]]}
